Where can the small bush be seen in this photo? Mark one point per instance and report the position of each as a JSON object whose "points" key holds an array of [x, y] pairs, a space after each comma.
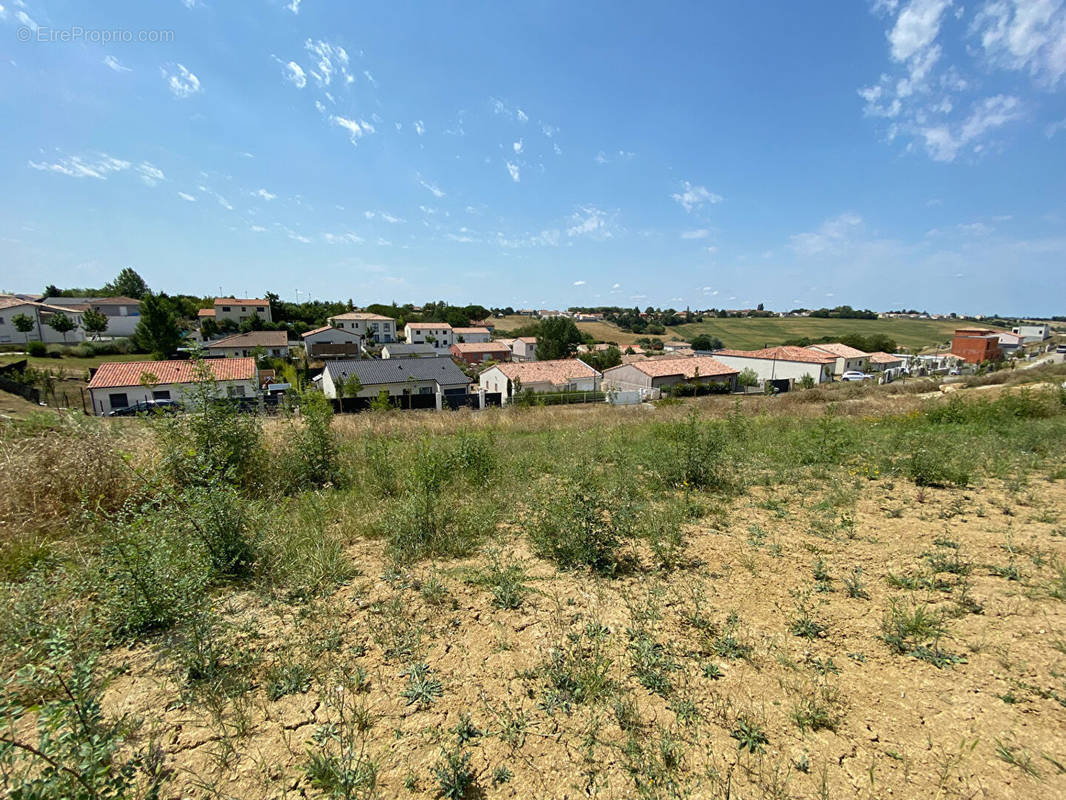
{"points": [[697, 454], [287, 677], [933, 463], [456, 779], [36, 349]]}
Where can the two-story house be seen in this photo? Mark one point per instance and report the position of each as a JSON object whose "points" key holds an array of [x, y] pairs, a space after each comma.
{"points": [[439, 334], [372, 327]]}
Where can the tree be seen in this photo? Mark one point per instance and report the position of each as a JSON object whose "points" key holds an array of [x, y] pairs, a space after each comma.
{"points": [[158, 331], [253, 323], [208, 327], [127, 284], [61, 323], [95, 322], [706, 342], [51, 290], [23, 324], [747, 377], [558, 337]]}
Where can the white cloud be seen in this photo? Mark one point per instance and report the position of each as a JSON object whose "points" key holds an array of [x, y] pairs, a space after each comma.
{"points": [[382, 215], [150, 174], [181, 82], [617, 286], [916, 28], [188, 197], [461, 237], [579, 283], [419, 127], [222, 201], [436, 191], [945, 142], [263, 193], [331, 60], [521, 116], [592, 222], [294, 6], [356, 128], [113, 63], [701, 233], [519, 146], [75, 167], [342, 238], [1052, 129], [829, 237], [295, 75], [1027, 35], [513, 170], [694, 197]]}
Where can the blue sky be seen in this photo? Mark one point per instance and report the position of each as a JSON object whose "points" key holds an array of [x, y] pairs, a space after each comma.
{"points": [[542, 154]]}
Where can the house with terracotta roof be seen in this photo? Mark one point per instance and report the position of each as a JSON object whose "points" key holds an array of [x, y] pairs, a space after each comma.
{"points": [[847, 358], [561, 375], [660, 373], [438, 334], [372, 327], [330, 341], [781, 365], [473, 334], [880, 362], [243, 345], [236, 309], [116, 385], [39, 313], [480, 352], [524, 348]]}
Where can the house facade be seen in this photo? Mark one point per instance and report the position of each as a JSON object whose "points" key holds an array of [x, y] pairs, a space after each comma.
{"points": [[1032, 333], [123, 313], [397, 376], [438, 334], [471, 335], [480, 352], [243, 345], [882, 362], [563, 375], [524, 349], [332, 342], [238, 310], [116, 385], [781, 363], [405, 350], [848, 359], [976, 345], [375, 328], [39, 314], [661, 373]]}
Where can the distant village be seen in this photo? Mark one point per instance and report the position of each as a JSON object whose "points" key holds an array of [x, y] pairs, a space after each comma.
{"points": [[411, 358]]}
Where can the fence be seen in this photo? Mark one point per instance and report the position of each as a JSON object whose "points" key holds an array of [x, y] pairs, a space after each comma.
{"points": [[21, 389], [530, 398]]}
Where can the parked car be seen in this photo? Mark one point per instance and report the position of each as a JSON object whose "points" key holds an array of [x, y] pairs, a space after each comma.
{"points": [[855, 375], [146, 407], [1061, 348]]}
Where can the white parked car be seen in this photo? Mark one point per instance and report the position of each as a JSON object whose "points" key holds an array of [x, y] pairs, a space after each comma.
{"points": [[855, 375]]}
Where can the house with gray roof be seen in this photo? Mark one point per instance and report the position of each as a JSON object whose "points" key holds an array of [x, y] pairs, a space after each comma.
{"points": [[398, 376]]}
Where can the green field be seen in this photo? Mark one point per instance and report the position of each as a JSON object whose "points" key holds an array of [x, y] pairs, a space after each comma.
{"points": [[744, 333], [71, 363]]}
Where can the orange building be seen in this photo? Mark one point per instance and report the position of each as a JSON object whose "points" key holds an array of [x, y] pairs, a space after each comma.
{"points": [[976, 345]]}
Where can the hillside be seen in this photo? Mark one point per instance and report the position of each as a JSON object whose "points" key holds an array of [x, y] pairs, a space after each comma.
{"points": [[848, 592], [753, 333]]}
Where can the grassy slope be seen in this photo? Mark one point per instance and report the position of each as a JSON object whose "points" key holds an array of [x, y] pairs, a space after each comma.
{"points": [[72, 363], [754, 333]]}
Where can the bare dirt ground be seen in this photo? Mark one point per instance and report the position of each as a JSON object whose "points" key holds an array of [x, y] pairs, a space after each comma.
{"points": [[693, 663]]}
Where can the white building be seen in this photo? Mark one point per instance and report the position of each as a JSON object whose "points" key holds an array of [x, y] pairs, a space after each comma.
{"points": [[524, 348], [397, 376], [471, 335], [1032, 333], [660, 373], [123, 313], [372, 327], [848, 359], [781, 363], [329, 341], [243, 345], [406, 350], [39, 314], [236, 310], [562, 375], [439, 334], [120, 384]]}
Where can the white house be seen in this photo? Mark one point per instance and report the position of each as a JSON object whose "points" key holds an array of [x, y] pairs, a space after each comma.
{"points": [[781, 363], [332, 342], [439, 334], [39, 314], [120, 384], [243, 345], [848, 359], [372, 327], [398, 376], [562, 375], [1033, 333], [472, 335], [885, 362], [236, 310], [524, 348], [659, 373], [123, 313]]}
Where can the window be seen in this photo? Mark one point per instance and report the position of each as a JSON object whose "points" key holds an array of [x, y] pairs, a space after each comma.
{"points": [[225, 308], [425, 390], [260, 308], [1, 320], [118, 400], [161, 394], [235, 391]]}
